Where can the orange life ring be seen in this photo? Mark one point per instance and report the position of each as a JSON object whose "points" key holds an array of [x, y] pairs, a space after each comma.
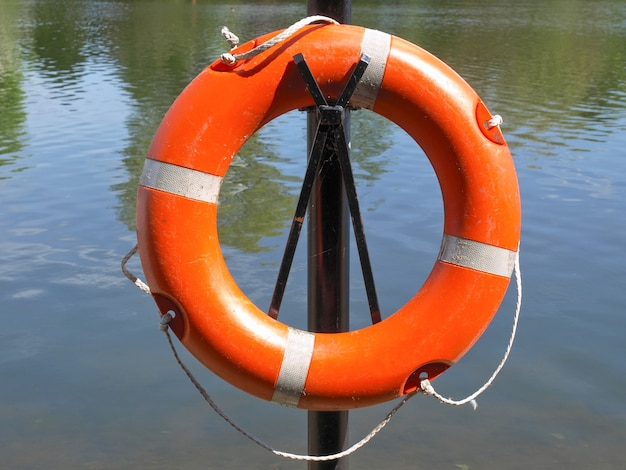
{"points": [[185, 268]]}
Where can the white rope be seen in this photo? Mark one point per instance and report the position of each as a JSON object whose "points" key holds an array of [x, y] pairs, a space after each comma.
{"points": [[495, 121], [310, 458], [233, 40], [164, 326], [134, 279], [427, 387]]}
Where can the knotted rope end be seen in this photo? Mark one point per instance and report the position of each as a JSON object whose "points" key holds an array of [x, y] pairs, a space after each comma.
{"points": [[165, 321], [495, 121], [228, 59], [427, 387], [233, 40], [230, 37]]}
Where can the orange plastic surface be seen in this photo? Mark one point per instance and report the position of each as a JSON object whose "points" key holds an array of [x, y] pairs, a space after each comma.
{"points": [[183, 262]]}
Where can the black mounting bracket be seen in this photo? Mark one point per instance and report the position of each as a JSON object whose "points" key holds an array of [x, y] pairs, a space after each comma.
{"points": [[330, 135]]}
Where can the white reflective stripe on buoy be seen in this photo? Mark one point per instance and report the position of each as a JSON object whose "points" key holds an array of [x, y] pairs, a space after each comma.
{"points": [[295, 367], [476, 255], [376, 45], [174, 179]]}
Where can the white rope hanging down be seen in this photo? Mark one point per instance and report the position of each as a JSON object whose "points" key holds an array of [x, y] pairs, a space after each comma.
{"points": [[310, 458], [134, 279], [426, 386], [233, 40], [165, 319]]}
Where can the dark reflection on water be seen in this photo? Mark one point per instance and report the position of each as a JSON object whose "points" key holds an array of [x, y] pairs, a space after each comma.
{"points": [[88, 381]]}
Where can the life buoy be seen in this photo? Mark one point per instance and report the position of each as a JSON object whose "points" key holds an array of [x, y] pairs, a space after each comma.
{"points": [[185, 269]]}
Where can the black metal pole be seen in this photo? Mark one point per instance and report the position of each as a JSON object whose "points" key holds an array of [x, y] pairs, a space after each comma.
{"points": [[328, 265]]}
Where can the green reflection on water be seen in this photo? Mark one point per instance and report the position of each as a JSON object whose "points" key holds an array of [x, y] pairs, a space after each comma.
{"points": [[12, 113], [545, 66], [555, 70], [250, 212]]}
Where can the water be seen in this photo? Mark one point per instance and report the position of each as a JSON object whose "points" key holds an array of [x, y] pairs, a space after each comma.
{"points": [[87, 378]]}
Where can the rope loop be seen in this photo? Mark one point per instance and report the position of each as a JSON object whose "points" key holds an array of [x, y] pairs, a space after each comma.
{"points": [[232, 59]]}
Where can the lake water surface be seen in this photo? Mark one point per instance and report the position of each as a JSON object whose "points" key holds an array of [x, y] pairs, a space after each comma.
{"points": [[86, 378]]}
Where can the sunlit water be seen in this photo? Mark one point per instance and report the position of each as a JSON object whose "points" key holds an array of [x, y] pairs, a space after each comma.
{"points": [[86, 378]]}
